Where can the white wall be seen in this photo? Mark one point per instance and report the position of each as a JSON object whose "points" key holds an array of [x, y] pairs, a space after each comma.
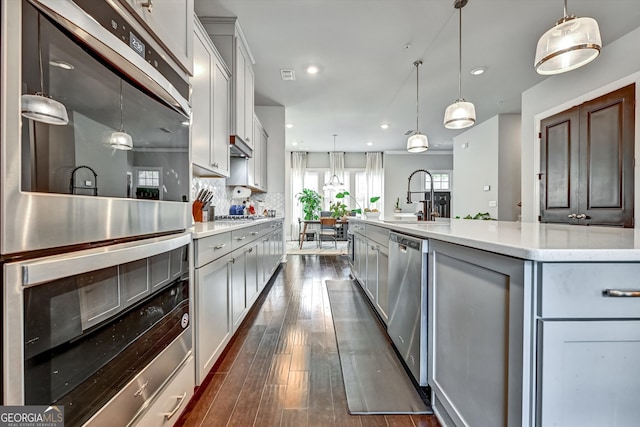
{"points": [[474, 167], [618, 65], [397, 168]]}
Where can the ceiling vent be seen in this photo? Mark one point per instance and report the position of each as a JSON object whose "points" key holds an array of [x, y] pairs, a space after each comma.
{"points": [[409, 132], [287, 75]]}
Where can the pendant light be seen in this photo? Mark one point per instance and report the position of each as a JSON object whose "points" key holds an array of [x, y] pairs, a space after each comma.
{"points": [[417, 142], [334, 182], [570, 44], [120, 140], [40, 107], [461, 114]]}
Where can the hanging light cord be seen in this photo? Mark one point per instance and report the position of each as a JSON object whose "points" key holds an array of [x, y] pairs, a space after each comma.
{"points": [[460, 56], [40, 59], [121, 109], [417, 64]]}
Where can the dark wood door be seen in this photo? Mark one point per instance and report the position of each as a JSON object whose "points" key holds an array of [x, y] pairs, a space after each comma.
{"points": [[587, 156]]}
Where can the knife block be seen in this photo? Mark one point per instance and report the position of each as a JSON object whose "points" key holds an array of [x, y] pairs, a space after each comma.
{"points": [[196, 210]]}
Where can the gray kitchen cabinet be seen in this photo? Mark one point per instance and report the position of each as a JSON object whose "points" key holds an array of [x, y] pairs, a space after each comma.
{"points": [[476, 310], [228, 37], [251, 272], [213, 325], [210, 105], [588, 329], [238, 290], [382, 302], [371, 281], [171, 24], [587, 358]]}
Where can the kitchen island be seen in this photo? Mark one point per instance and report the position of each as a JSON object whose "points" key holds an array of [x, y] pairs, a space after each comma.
{"points": [[528, 324]]}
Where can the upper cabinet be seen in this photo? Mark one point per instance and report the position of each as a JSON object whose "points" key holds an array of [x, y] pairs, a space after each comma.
{"points": [[252, 172], [171, 22], [230, 41], [210, 105]]}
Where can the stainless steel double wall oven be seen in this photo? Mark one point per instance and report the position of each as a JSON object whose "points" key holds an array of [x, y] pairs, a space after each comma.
{"points": [[95, 257]]}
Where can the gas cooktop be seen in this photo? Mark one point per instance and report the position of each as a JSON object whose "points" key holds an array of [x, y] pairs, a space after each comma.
{"points": [[237, 217]]}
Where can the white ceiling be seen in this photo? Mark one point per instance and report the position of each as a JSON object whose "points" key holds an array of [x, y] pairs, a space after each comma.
{"points": [[367, 75]]}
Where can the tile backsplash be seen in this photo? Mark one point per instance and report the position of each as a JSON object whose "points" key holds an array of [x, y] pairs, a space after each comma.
{"points": [[223, 195]]}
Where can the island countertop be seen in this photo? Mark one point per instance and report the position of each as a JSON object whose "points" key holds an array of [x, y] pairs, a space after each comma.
{"points": [[533, 241]]}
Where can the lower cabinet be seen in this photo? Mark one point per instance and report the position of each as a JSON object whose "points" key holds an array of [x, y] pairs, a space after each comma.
{"points": [[597, 361], [166, 409], [227, 286], [213, 314], [238, 289], [476, 310]]}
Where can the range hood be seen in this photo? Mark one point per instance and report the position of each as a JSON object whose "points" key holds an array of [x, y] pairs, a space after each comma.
{"points": [[239, 148]]}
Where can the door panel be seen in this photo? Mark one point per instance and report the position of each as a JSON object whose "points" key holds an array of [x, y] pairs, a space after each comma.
{"points": [[606, 182], [559, 165], [586, 161]]}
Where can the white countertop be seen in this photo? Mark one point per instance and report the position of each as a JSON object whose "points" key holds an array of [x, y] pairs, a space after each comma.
{"points": [[534, 241], [205, 229]]}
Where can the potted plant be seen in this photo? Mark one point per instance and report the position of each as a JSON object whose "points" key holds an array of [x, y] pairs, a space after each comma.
{"points": [[311, 203], [338, 210], [368, 212], [397, 208]]}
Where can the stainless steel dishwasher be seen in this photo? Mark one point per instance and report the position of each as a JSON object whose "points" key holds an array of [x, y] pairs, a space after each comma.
{"points": [[407, 324]]}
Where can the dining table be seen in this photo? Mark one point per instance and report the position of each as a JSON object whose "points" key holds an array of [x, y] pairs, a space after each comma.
{"points": [[306, 223]]}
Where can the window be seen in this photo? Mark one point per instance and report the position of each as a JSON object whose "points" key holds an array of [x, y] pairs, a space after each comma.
{"points": [[361, 189], [440, 182], [149, 178], [329, 195]]}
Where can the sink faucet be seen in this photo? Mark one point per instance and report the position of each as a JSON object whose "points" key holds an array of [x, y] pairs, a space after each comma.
{"points": [[427, 215]]}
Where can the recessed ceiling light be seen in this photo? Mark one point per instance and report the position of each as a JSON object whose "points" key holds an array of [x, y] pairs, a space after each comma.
{"points": [[289, 125], [369, 143], [294, 143], [384, 126], [61, 64], [478, 71], [312, 69]]}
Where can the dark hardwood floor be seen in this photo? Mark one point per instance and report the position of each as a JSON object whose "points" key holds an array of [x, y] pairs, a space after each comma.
{"points": [[282, 367]]}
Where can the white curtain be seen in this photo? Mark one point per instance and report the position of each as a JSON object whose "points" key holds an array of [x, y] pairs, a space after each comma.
{"points": [[374, 175], [336, 165], [298, 167]]}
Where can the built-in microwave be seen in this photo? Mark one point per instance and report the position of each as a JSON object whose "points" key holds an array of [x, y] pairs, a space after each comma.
{"points": [[70, 184]]}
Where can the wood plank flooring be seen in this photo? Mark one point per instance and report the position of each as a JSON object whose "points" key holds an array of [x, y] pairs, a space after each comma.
{"points": [[282, 367]]}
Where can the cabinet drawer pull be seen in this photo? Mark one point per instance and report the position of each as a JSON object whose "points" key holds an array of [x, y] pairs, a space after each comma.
{"points": [[572, 216], [241, 238], [180, 399], [215, 248], [148, 5], [254, 233], [621, 293]]}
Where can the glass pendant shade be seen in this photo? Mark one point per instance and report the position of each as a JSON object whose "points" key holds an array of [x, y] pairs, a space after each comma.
{"points": [[570, 44], [120, 141], [43, 109], [417, 143], [459, 115]]}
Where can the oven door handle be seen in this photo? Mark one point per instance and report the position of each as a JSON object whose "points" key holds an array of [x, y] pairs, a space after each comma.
{"points": [[180, 399], [55, 267]]}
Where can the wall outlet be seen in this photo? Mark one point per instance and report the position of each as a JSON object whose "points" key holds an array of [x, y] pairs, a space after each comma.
{"points": [[492, 203], [465, 146], [487, 188]]}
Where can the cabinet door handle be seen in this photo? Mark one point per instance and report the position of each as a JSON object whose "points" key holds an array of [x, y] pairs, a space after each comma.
{"points": [[215, 165], [619, 293], [572, 216], [581, 216], [249, 251], [148, 5], [215, 248], [168, 415]]}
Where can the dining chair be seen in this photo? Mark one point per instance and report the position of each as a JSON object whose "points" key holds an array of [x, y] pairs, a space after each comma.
{"points": [[328, 231]]}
